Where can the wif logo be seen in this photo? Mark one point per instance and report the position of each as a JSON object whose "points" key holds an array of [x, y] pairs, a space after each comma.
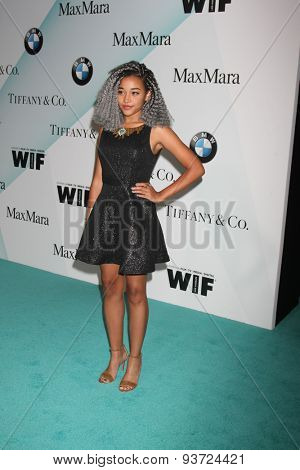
{"points": [[197, 6], [26, 158], [197, 283], [73, 196]]}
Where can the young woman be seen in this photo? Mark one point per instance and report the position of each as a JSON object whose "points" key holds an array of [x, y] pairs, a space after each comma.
{"points": [[123, 233]]}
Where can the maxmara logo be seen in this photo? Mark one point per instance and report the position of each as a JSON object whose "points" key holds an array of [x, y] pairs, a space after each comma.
{"points": [[191, 281], [84, 8], [141, 39], [26, 216], [187, 76], [63, 252], [212, 6]]}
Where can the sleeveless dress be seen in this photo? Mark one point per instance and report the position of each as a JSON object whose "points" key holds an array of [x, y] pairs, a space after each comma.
{"points": [[122, 227]]}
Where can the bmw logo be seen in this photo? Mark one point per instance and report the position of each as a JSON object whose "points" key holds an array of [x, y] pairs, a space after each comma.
{"points": [[33, 41], [204, 145], [82, 71]]}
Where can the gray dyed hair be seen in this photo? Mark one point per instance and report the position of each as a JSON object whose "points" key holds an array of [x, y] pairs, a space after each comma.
{"points": [[107, 113]]}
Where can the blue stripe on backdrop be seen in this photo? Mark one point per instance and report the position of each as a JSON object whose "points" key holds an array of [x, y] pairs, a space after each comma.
{"points": [[67, 38]]}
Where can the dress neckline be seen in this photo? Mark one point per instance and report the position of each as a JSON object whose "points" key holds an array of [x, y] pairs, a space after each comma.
{"points": [[130, 128]]}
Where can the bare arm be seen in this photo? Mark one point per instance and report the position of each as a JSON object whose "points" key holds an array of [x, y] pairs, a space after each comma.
{"points": [[96, 185], [165, 137]]}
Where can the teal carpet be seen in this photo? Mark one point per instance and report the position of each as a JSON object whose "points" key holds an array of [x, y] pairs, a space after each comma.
{"points": [[206, 382]]}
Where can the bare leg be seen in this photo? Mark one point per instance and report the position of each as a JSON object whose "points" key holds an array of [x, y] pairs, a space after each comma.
{"points": [[138, 320], [113, 304]]}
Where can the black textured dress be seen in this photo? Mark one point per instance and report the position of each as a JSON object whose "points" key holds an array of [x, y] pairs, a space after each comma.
{"points": [[122, 227]]}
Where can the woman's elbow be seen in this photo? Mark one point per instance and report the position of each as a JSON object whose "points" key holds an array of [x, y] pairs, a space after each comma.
{"points": [[200, 172]]}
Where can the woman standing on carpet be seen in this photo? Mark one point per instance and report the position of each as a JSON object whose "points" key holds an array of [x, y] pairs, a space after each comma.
{"points": [[123, 233]]}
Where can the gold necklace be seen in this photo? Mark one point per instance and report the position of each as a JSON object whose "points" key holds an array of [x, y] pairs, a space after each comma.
{"points": [[122, 131]]}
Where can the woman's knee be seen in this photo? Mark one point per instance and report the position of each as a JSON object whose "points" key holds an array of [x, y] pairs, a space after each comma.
{"points": [[136, 294], [112, 282]]}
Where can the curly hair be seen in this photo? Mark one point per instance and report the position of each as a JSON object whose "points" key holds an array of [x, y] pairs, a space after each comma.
{"points": [[107, 113]]}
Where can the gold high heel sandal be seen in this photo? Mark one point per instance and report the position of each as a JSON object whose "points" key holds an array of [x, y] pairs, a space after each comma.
{"points": [[128, 383], [106, 377]]}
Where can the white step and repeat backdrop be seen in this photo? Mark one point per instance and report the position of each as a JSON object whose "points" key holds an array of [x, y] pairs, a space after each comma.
{"points": [[228, 71]]}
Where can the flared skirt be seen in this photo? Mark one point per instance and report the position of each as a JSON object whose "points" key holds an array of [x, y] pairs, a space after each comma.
{"points": [[123, 228]]}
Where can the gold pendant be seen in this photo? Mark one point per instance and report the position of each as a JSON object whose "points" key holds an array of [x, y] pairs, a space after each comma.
{"points": [[122, 131]]}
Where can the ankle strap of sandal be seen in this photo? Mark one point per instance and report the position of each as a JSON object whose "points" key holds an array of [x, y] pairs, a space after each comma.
{"points": [[135, 356]]}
